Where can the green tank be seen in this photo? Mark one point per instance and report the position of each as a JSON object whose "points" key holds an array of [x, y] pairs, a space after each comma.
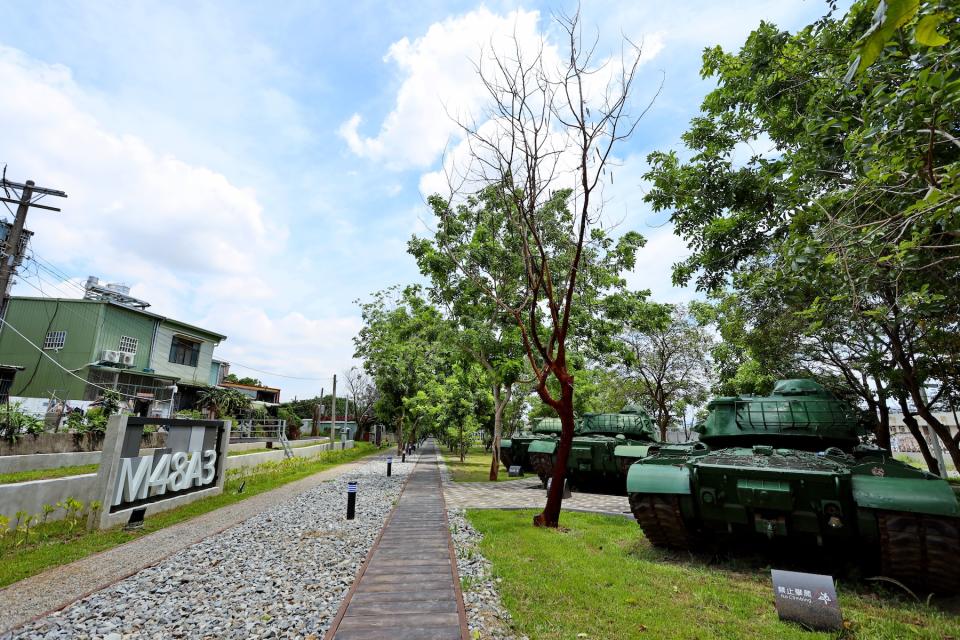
{"points": [[792, 465], [513, 450], [602, 450]]}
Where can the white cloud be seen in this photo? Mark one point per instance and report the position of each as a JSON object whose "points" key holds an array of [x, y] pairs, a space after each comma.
{"points": [[440, 84], [127, 205], [191, 242]]}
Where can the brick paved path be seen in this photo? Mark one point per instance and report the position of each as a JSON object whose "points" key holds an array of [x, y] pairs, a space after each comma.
{"points": [[408, 588], [526, 493]]}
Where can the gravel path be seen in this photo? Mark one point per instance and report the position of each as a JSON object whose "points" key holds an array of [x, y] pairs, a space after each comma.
{"points": [[281, 573]]}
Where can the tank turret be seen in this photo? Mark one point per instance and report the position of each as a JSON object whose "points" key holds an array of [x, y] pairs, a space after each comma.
{"points": [[632, 422], [800, 414], [547, 426]]}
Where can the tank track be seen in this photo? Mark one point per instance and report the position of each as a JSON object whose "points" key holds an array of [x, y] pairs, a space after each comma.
{"points": [[506, 458], [542, 464], [920, 550], [659, 517]]}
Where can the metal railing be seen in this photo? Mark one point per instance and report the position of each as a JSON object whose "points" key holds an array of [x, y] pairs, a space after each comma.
{"points": [[266, 430]]}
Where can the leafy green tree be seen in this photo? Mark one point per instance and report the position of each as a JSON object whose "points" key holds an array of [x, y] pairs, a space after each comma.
{"points": [[405, 344], [223, 402], [476, 235], [843, 234], [666, 352]]}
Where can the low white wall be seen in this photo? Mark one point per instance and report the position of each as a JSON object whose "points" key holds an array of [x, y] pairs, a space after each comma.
{"points": [[253, 459], [31, 496], [37, 461]]}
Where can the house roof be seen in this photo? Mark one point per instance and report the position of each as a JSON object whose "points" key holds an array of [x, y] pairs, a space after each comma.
{"points": [[251, 387], [126, 308]]}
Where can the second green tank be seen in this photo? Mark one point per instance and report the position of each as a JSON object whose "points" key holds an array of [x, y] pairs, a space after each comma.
{"points": [[602, 450]]}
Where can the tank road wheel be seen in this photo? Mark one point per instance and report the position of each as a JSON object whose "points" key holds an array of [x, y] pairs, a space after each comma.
{"points": [[542, 464], [659, 517], [921, 550]]}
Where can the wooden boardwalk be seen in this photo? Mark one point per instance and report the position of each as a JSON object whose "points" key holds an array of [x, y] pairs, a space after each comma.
{"points": [[408, 588]]}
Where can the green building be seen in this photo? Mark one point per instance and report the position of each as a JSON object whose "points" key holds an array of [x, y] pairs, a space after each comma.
{"points": [[71, 349]]}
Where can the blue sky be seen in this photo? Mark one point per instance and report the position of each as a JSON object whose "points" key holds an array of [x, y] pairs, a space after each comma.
{"points": [[256, 167]]}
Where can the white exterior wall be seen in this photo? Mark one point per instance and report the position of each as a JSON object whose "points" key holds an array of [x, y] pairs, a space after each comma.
{"points": [[160, 359]]}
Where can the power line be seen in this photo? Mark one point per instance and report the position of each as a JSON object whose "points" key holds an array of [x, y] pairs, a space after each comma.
{"points": [[279, 375], [51, 268]]}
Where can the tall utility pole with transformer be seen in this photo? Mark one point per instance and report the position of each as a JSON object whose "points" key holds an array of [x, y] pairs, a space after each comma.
{"points": [[14, 236]]}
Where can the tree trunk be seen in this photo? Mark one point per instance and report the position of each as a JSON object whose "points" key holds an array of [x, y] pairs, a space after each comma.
{"points": [[550, 516], [400, 433], [663, 422], [883, 426], [500, 400], [917, 434], [912, 382]]}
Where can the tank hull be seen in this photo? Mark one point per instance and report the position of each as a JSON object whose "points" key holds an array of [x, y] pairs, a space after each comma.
{"points": [[515, 450], [910, 520]]}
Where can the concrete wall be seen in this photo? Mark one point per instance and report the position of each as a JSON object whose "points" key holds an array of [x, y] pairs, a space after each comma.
{"points": [[31, 496], [65, 443], [253, 459], [13, 464], [160, 358], [37, 461]]}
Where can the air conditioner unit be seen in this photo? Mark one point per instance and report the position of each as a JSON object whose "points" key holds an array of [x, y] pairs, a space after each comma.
{"points": [[110, 356], [126, 359]]}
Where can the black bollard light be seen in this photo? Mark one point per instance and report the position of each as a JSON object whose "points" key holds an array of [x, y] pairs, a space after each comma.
{"points": [[389, 464], [351, 499], [403, 456]]}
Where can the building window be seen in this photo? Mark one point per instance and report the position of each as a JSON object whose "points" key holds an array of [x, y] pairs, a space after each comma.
{"points": [[55, 340], [184, 351], [128, 344]]}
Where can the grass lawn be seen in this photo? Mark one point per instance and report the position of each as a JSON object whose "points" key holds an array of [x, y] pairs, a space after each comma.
{"points": [[47, 474], [599, 577], [56, 543], [474, 468]]}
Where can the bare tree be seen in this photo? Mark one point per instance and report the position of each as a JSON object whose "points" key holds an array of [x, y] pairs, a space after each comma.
{"points": [[547, 142], [669, 358], [363, 394]]}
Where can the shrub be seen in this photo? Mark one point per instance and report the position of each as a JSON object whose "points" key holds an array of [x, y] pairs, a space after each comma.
{"points": [[14, 421]]}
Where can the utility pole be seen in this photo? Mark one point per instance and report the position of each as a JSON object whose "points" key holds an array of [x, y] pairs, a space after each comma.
{"points": [[317, 415], [333, 412], [12, 251]]}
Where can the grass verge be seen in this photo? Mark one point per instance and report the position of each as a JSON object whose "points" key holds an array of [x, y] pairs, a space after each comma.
{"points": [[474, 468], [47, 474], [50, 544], [598, 578]]}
